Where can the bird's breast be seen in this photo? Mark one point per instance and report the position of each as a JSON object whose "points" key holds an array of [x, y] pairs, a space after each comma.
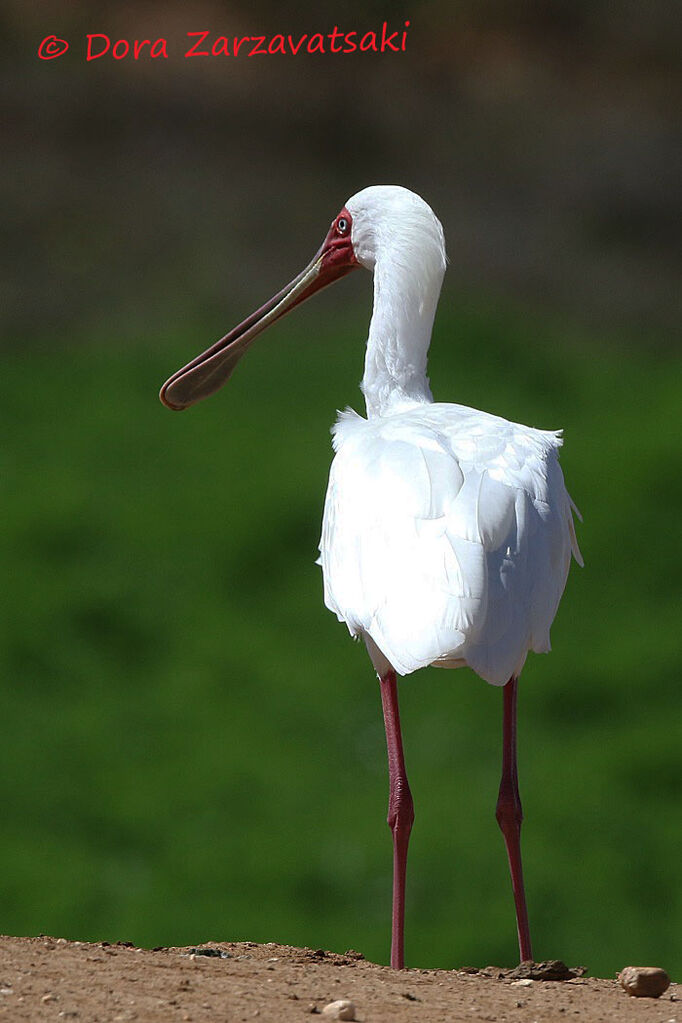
{"points": [[440, 531]]}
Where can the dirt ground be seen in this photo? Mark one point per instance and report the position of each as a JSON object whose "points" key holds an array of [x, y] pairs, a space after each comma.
{"points": [[54, 979]]}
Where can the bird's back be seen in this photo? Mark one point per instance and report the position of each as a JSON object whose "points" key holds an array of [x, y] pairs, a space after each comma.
{"points": [[447, 537]]}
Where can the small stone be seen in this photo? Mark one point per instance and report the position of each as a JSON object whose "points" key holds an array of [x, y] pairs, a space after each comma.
{"points": [[49, 997], [342, 1008], [644, 981], [549, 969], [526, 982]]}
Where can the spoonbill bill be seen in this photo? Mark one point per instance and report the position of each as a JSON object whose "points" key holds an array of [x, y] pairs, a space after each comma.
{"points": [[447, 532]]}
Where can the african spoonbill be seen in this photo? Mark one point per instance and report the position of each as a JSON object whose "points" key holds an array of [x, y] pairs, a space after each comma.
{"points": [[448, 532]]}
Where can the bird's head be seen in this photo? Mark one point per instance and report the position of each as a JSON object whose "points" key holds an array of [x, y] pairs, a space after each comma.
{"points": [[382, 223], [391, 223]]}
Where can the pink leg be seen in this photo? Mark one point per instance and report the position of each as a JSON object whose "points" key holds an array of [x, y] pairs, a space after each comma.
{"points": [[400, 812], [510, 814]]}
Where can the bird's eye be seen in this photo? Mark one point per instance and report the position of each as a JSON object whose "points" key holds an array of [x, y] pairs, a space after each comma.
{"points": [[342, 225]]}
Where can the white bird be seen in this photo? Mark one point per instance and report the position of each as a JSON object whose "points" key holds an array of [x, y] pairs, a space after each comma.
{"points": [[447, 532]]}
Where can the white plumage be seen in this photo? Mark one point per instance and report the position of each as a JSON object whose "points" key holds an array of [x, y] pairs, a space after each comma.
{"points": [[447, 538], [447, 532]]}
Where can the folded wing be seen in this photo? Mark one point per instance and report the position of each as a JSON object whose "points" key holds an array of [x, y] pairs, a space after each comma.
{"points": [[447, 537]]}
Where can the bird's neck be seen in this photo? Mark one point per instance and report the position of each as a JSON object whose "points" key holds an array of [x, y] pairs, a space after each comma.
{"points": [[399, 337]]}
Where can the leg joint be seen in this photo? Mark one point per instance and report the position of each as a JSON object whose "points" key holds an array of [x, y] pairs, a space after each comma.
{"points": [[509, 812], [400, 809]]}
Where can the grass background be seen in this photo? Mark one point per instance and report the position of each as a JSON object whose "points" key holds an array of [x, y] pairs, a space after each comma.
{"points": [[192, 746]]}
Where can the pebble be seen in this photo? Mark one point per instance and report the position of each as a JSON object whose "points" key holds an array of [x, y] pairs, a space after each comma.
{"points": [[644, 981], [526, 982], [548, 969], [342, 1008]]}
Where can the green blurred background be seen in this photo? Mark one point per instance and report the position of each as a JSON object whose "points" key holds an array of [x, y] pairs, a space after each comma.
{"points": [[192, 747]]}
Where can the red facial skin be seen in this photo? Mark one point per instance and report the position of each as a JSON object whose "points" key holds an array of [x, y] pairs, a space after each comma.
{"points": [[339, 255], [338, 258], [210, 370]]}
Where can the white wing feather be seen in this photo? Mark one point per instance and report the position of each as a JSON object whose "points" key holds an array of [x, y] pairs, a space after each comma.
{"points": [[447, 537]]}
